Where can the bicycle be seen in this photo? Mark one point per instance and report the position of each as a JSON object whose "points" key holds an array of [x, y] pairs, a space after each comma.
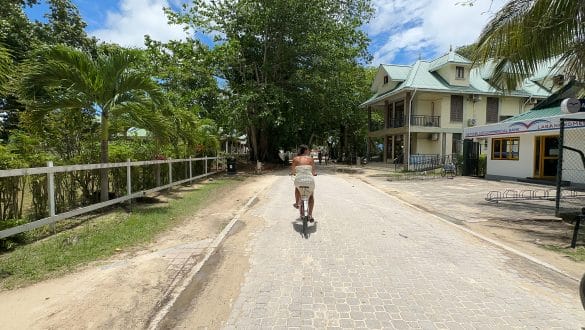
{"points": [[306, 186], [449, 168], [582, 290]]}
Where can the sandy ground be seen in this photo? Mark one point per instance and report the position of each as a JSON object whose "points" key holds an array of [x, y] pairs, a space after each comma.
{"points": [[123, 291]]}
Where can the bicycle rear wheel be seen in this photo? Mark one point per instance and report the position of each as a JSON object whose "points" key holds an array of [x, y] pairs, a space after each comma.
{"points": [[305, 216], [582, 290]]}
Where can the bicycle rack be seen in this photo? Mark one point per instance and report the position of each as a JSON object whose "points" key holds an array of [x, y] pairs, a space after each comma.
{"points": [[496, 196]]}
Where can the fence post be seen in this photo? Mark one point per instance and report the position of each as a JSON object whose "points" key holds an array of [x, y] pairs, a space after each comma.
{"points": [[190, 169], [560, 168], [51, 193], [170, 172], [129, 181], [205, 164]]}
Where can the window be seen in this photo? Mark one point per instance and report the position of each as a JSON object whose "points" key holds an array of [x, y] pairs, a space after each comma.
{"points": [[459, 72], [505, 148], [385, 79], [491, 110], [456, 108]]}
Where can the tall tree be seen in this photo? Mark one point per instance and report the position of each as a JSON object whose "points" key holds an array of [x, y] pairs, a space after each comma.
{"points": [[21, 36], [5, 66], [65, 26], [275, 56], [64, 78], [526, 33]]}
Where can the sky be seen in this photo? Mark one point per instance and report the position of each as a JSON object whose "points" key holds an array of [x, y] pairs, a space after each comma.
{"points": [[401, 31]]}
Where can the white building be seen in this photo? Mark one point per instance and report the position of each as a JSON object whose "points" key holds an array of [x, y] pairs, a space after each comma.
{"points": [[526, 146], [426, 106]]}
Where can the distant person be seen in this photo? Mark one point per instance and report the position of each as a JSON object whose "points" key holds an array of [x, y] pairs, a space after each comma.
{"points": [[320, 156], [303, 165]]}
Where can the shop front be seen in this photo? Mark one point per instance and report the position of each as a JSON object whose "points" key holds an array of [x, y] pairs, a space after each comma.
{"points": [[524, 146]]}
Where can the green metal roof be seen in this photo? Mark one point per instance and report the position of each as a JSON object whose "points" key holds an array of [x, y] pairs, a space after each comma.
{"points": [[450, 57], [422, 75], [397, 72], [535, 114]]}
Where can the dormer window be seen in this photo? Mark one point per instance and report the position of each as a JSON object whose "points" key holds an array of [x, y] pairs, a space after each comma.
{"points": [[385, 79], [459, 72]]}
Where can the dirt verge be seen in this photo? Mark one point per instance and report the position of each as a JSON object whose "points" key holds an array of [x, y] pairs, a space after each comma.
{"points": [[122, 291]]}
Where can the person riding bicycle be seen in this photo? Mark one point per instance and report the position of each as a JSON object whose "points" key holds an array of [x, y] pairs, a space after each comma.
{"points": [[303, 165]]}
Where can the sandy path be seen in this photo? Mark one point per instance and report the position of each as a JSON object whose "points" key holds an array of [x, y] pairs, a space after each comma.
{"points": [[122, 291]]}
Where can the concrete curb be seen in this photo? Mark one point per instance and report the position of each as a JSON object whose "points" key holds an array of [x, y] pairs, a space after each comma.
{"points": [[482, 237], [183, 282]]}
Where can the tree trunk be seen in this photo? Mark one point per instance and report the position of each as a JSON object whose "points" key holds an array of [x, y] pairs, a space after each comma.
{"points": [[253, 142], [104, 157]]}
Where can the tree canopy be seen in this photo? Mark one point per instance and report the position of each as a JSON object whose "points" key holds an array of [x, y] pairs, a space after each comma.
{"points": [[281, 72], [289, 67]]}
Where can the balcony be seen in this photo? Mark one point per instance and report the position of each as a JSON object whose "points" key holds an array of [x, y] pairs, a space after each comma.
{"points": [[427, 121], [395, 122]]}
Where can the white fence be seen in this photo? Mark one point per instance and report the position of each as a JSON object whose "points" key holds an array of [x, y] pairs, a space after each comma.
{"points": [[50, 171]]}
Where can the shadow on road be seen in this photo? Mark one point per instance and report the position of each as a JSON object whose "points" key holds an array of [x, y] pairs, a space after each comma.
{"points": [[298, 227]]}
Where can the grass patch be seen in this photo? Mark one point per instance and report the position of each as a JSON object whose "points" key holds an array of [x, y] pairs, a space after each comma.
{"points": [[576, 254], [102, 237]]}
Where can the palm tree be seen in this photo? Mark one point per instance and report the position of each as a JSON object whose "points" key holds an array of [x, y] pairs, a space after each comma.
{"points": [[63, 78], [525, 34]]}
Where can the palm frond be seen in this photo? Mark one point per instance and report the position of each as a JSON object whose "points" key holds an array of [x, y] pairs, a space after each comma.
{"points": [[527, 33]]}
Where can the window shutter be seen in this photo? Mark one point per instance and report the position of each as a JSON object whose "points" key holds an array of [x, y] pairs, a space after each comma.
{"points": [[456, 108], [492, 109]]}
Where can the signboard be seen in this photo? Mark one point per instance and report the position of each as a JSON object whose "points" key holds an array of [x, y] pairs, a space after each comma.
{"points": [[517, 127]]}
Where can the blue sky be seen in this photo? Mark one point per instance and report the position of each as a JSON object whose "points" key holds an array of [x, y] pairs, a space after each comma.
{"points": [[401, 31]]}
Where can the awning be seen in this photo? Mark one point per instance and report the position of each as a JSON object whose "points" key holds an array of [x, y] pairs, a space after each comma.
{"points": [[524, 126]]}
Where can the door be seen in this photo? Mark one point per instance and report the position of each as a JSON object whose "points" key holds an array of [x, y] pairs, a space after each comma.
{"points": [[546, 156], [470, 158]]}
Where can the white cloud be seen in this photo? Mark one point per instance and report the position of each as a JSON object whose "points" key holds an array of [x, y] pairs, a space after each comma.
{"points": [[426, 26], [135, 19]]}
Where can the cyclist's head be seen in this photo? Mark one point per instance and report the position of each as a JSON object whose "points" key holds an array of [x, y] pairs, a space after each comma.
{"points": [[302, 149]]}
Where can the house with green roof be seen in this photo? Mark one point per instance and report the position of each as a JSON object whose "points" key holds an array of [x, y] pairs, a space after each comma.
{"points": [[426, 106], [526, 146]]}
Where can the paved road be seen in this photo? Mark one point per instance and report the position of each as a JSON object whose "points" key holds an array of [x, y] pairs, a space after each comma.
{"points": [[374, 262]]}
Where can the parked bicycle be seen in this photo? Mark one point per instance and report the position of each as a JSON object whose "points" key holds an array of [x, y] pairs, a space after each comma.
{"points": [[449, 168]]}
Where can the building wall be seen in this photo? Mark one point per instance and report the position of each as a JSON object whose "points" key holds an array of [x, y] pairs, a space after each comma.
{"points": [[510, 106], [448, 72], [521, 168], [424, 144]]}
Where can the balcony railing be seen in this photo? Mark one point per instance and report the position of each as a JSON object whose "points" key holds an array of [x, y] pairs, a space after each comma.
{"points": [[429, 121], [395, 122]]}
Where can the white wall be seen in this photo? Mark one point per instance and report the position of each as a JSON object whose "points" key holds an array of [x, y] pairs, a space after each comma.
{"points": [[521, 168]]}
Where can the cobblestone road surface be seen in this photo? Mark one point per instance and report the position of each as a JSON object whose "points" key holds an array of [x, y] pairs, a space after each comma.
{"points": [[374, 262]]}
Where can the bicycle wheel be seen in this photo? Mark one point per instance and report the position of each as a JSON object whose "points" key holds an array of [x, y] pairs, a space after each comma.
{"points": [[305, 217], [582, 291]]}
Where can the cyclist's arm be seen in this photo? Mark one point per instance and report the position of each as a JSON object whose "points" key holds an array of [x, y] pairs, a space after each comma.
{"points": [[314, 168], [293, 166]]}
